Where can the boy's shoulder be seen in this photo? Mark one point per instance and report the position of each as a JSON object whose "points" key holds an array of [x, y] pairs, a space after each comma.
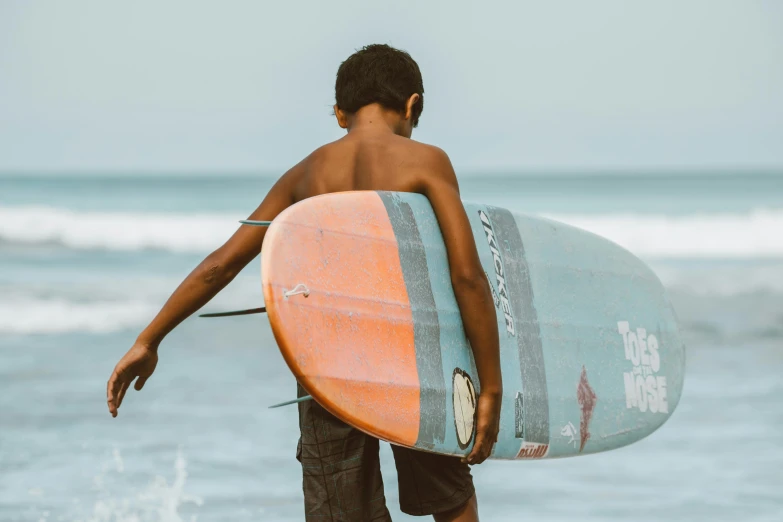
{"points": [[422, 150], [432, 152], [342, 145], [432, 159]]}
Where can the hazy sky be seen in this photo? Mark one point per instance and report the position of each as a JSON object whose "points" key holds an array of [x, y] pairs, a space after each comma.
{"points": [[509, 85]]}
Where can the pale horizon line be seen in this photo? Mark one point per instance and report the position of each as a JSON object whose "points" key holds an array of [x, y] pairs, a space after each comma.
{"points": [[466, 172]]}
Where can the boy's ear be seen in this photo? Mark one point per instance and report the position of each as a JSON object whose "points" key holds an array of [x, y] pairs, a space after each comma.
{"points": [[342, 118], [409, 105]]}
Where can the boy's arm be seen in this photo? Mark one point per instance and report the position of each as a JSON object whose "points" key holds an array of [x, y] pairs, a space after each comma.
{"points": [[474, 297], [213, 274]]}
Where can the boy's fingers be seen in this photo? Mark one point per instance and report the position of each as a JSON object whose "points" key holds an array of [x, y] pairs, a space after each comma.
{"points": [[483, 452], [123, 389], [112, 387], [482, 449], [140, 383], [476, 455]]}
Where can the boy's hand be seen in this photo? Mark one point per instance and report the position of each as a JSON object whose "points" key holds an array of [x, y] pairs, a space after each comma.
{"points": [[140, 361], [487, 427]]}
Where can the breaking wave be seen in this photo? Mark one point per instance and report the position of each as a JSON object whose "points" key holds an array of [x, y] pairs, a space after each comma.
{"points": [[104, 305], [751, 235], [124, 231], [28, 315]]}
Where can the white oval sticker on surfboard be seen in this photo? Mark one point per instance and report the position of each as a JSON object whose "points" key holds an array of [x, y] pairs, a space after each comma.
{"points": [[464, 398]]}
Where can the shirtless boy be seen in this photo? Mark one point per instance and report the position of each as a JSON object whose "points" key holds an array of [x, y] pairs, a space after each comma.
{"points": [[379, 98]]}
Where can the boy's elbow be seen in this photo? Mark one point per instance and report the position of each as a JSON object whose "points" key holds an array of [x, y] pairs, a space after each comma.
{"points": [[219, 268], [468, 280]]}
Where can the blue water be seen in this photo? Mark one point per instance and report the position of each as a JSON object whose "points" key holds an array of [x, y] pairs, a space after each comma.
{"points": [[85, 261]]}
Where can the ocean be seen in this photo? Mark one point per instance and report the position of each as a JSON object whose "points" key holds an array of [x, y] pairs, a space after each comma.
{"points": [[87, 260]]}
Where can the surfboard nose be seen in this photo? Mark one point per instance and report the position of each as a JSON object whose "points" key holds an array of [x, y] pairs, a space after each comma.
{"points": [[349, 338]]}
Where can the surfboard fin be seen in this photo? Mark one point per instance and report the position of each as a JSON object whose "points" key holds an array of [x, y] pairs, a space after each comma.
{"points": [[236, 312], [295, 401], [255, 223]]}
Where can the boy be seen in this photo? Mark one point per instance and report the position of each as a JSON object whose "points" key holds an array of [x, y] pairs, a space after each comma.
{"points": [[379, 97]]}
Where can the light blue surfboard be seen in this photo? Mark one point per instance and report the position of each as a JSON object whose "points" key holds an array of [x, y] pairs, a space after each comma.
{"points": [[591, 354]]}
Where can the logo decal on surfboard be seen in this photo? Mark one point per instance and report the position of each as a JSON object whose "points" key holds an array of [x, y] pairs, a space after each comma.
{"points": [[519, 416], [500, 273], [644, 389], [464, 399], [495, 298], [533, 450], [569, 430]]}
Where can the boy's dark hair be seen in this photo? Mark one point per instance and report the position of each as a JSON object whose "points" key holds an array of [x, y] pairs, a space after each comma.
{"points": [[381, 74]]}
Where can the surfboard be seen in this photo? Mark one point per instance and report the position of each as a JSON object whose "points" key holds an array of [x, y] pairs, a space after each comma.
{"points": [[359, 297]]}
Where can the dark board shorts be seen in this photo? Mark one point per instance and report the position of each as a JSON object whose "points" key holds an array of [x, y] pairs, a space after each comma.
{"points": [[342, 474]]}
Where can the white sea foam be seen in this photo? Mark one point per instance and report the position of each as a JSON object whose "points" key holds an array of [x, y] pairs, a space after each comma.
{"points": [[756, 234], [115, 230], [105, 306], [753, 235], [158, 502], [27, 315]]}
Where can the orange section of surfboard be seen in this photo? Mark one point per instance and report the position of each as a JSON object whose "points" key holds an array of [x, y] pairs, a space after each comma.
{"points": [[318, 324]]}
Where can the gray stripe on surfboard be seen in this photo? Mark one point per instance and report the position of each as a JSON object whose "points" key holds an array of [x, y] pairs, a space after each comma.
{"points": [[426, 328], [528, 332]]}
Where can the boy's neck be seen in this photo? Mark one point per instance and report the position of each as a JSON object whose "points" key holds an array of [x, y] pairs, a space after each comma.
{"points": [[375, 118]]}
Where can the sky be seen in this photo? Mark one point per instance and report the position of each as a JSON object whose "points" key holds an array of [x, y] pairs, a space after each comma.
{"points": [[513, 86]]}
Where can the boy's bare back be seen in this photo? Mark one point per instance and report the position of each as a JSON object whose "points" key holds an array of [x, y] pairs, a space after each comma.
{"points": [[367, 160]]}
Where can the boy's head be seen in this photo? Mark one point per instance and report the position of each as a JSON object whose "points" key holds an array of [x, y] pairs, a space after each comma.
{"points": [[380, 74]]}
